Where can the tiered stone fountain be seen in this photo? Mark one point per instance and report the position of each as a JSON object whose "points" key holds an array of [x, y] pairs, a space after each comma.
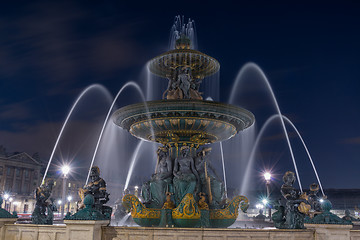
{"points": [[183, 192]]}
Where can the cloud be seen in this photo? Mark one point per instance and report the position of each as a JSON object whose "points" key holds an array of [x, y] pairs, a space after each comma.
{"points": [[351, 141], [41, 136], [15, 111], [60, 43]]}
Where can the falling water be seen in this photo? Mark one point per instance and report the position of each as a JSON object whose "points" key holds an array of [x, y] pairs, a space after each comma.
{"points": [[245, 68], [133, 160], [307, 152], [245, 181], [246, 178], [223, 167], [128, 84], [180, 28], [91, 87], [124, 219]]}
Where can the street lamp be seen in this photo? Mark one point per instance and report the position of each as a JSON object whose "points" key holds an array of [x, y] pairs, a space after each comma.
{"points": [[136, 190], [6, 197], [259, 206], [65, 169], [267, 176], [59, 205], [10, 201], [69, 198]]}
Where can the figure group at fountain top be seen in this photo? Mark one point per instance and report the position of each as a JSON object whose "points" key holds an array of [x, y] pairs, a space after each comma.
{"points": [[183, 86]]}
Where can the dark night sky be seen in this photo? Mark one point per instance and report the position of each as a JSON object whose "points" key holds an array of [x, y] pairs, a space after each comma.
{"points": [[51, 51]]}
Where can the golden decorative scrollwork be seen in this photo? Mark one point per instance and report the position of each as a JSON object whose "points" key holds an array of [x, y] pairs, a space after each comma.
{"points": [[138, 210], [187, 209], [231, 211]]}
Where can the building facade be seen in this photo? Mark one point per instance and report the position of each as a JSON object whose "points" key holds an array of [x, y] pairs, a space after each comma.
{"points": [[19, 177], [21, 174]]}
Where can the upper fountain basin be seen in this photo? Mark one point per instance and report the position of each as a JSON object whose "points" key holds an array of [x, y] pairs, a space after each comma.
{"points": [[168, 63], [194, 122]]}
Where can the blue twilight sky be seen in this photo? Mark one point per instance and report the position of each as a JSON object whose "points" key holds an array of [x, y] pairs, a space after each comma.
{"points": [[51, 50]]}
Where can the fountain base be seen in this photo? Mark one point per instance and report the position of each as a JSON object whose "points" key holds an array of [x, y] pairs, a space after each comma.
{"points": [[187, 214]]}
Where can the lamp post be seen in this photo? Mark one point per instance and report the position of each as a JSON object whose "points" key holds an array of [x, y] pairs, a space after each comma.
{"points": [[59, 204], [136, 191], [6, 197], [69, 198], [267, 176], [10, 201], [65, 170]]}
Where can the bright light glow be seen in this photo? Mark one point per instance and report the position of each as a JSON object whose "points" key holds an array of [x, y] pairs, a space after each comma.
{"points": [[6, 196], [69, 198], [321, 200], [65, 169], [264, 201], [11, 199], [267, 176], [259, 206], [59, 202], [17, 203], [136, 187]]}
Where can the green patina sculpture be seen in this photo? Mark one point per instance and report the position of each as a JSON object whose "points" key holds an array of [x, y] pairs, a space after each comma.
{"points": [[186, 178], [4, 213], [43, 212], [348, 217], [154, 191], [278, 217], [210, 181], [292, 215], [97, 188], [189, 187], [89, 212], [326, 217], [313, 198], [260, 217]]}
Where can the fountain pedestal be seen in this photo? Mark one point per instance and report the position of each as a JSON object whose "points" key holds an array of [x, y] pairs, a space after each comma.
{"points": [[85, 229]]}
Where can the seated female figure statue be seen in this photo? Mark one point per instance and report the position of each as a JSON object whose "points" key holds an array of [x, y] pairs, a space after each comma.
{"points": [[186, 178], [154, 191], [213, 185]]}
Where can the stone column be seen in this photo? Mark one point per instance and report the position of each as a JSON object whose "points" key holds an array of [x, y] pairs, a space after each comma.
{"points": [[330, 231], [84, 229]]}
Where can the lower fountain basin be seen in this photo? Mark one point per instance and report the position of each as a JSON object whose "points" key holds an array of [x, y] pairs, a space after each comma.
{"points": [[183, 121]]}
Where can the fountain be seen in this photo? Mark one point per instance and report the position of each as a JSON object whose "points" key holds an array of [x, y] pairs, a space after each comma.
{"points": [[183, 122]]}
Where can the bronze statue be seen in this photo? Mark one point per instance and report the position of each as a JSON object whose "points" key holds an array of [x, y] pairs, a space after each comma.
{"points": [[314, 199], [43, 212], [154, 191], [97, 188], [293, 214], [182, 85], [348, 217], [186, 178], [210, 181]]}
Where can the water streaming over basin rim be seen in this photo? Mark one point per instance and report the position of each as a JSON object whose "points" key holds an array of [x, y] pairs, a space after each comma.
{"points": [[214, 121]]}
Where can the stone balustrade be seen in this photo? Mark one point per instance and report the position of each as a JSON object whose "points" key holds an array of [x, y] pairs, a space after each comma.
{"points": [[98, 230]]}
